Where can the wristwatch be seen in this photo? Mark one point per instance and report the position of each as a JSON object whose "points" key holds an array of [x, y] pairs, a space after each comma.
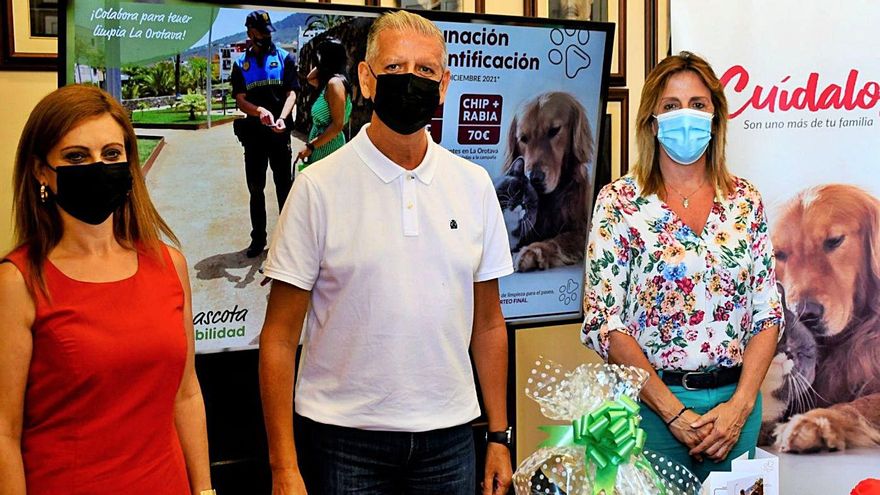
{"points": [[503, 437]]}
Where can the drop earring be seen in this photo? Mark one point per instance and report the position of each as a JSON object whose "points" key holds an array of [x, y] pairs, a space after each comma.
{"points": [[44, 194]]}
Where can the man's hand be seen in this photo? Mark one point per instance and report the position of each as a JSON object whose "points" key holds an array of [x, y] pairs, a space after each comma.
{"points": [[727, 420], [496, 479], [691, 437], [279, 126], [266, 117], [288, 482]]}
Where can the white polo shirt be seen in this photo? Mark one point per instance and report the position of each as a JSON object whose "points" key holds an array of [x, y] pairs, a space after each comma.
{"points": [[391, 257]]}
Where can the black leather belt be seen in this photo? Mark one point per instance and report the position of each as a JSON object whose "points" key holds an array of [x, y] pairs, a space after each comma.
{"points": [[699, 380]]}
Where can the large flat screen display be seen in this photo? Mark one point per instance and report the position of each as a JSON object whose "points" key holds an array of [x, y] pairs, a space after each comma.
{"points": [[525, 102]]}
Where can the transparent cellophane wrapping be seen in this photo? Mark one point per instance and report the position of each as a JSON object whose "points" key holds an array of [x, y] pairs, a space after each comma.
{"points": [[565, 396]]}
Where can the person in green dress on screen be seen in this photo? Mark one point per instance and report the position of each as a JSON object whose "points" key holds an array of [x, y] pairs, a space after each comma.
{"points": [[332, 109]]}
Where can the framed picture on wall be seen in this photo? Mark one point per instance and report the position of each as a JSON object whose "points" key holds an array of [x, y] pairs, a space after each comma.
{"points": [[615, 145], [444, 5], [571, 9], [30, 34], [44, 18], [473, 6], [590, 10], [658, 40]]}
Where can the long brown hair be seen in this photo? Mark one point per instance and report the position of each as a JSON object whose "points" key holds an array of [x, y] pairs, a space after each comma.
{"points": [[37, 223], [646, 170]]}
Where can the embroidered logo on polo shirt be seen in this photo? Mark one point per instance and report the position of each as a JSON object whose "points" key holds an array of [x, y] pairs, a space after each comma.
{"points": [[453, 224], [273, 65]]}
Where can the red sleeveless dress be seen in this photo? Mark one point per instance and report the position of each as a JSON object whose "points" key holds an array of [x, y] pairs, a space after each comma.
{"points": [[107, 362]]}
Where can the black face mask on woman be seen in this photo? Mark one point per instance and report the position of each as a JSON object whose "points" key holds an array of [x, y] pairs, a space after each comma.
{"points": [[405, 102], [91, 193]]}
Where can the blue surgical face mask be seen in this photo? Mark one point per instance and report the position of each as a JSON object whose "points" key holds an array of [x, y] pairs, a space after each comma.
{"points": [[684, 134]]}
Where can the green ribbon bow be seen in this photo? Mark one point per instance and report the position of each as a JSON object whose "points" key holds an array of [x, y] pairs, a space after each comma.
{"points": [[609, 435]]}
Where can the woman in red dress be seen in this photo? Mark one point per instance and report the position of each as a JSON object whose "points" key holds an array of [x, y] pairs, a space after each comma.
{"points": [[98, 392]]}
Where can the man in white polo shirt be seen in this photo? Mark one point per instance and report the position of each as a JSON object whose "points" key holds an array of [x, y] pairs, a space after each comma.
{"points": [[394, 246]]}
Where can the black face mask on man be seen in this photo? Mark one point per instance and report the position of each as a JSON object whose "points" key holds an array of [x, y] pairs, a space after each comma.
{"points": [[405, 102], [262, 43], [91, 193]]}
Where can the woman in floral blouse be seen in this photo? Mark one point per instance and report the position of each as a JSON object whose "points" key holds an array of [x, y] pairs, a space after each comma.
{"points": [[681, 277]]}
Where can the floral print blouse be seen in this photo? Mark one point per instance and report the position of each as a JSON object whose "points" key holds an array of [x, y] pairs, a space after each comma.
{"points": [[692, 302]]}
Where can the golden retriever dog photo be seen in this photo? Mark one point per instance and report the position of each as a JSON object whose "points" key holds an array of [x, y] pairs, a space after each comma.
{"points": [[550, 146], [827, 245]]}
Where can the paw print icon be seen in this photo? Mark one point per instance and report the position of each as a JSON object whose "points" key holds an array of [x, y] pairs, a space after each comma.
{"points": [[569, 50], [568, 291]]}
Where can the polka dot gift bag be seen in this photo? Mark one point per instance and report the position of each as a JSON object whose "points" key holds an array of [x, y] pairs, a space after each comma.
{"points": [[599, 448]]}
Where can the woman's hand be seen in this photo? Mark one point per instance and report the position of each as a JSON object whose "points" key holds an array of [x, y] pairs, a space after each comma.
{"points": [[303, 154], [685, 433], [727, 420]]}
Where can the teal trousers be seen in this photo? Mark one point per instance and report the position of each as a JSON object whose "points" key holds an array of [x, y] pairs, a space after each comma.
{"points": [[660, 440]]}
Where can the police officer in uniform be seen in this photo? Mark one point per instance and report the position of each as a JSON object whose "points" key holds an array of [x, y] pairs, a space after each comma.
{"points": [[264, 84]]}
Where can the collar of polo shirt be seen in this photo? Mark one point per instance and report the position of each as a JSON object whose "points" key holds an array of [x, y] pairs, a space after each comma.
{"points": [[386, 169]]}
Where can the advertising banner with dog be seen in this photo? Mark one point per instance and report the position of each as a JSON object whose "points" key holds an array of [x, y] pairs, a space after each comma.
{"points": [[803, 86]]}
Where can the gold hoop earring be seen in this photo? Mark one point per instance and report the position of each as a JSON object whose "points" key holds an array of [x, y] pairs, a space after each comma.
{"points": [[44, 194]]}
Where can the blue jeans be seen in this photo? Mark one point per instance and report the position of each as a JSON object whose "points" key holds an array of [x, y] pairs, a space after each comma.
{"points": [[338, 460], [660, 440]]}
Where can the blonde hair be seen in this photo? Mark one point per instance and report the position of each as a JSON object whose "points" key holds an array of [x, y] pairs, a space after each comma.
{"points": [[402, 20], [646, 170], [38, 224]]}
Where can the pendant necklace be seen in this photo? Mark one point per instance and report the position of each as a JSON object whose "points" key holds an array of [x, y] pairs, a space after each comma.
{"points": [[684, 198]]}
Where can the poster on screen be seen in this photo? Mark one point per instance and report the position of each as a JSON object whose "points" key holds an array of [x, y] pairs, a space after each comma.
{"points": [[509, 83]]}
